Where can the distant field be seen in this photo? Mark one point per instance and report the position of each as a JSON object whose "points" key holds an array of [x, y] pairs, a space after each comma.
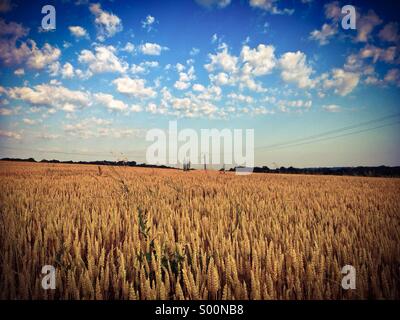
{"points": [[139, 233]]}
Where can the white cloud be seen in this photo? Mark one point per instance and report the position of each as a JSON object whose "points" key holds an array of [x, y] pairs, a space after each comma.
{"points": [[134, 87], [103, 60], [107, 24], [258, 61], [261, 111], [78, 31], [108, 101], [295, 69], [67, 71], [47, 136], [198, 87], [129, 47], [222, 79], [10, 134], [136, 108], [143, 67], [152, 49], [25, 52], [96, 127], [180, 85], [19, 72], [387, 55], [10, 33], [270, 6], [184, 78], [241, 97], [333, 11], [332, 108], [50, 96], [148, 23], [29, 121], [223, 61], [214, 3], [39, 58], [366, 24], [9, 111], [194, 51], [342, 82], [322, 36], [294, 105], [393, 77], [68, 107], [390, 32]]}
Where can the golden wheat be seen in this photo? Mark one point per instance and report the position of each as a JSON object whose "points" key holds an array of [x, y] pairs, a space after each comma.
{"points": [[136, 233]]}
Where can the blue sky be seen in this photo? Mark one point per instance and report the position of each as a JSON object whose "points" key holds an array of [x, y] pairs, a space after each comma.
{"points": [[111, 70]]}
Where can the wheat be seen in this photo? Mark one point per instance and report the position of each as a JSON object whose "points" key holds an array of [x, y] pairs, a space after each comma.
{"points": [[137, 233]]}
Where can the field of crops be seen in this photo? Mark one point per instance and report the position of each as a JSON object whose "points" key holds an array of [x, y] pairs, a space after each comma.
{"points": [[140, 233]]}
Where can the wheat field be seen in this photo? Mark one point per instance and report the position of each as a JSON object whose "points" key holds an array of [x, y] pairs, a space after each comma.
{"points": [[142, 233]]}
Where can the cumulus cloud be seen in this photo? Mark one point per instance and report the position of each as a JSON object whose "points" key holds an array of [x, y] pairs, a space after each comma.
{"points": [[67, 70], [294, 105], [134, 87], [129, 47], [19, 72], [148, 23], [214, 3], [258, 61], [108, 101], [152, 49], [102, 60], [96, 127], [393, 77], [50, 95], [108, 24], [194, 51], [241, 97], [333, 13], [270, 6], [143, 67], [365, 25], [390, 32], [27, 52], [185, 78], [223, 61], [136, 108], [39, 58], [10, 111], [10, 134], [198, 87], [295, 69], [78, 31], [332, 108], [388, 55], [343, 82], [322, 36], [241, 70], [29, 121]]}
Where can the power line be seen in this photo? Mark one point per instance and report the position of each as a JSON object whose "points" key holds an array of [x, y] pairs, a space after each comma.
{"points": [[292, 143], [338, 136], [323, 134]]}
